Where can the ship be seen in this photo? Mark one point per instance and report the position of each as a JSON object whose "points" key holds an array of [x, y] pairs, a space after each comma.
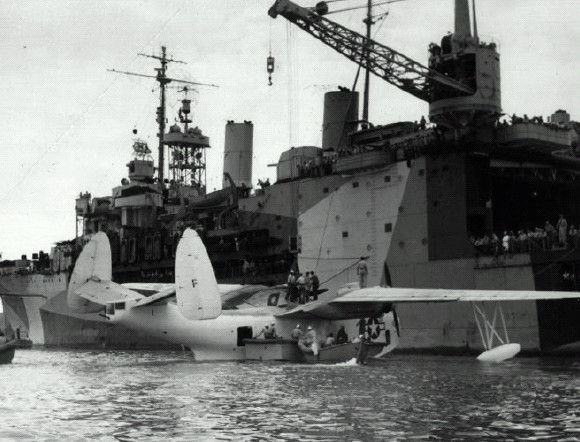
{"points": [[458, 202]]}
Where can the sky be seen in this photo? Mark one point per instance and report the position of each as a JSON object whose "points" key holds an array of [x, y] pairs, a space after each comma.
{"points": [[66, 122]]}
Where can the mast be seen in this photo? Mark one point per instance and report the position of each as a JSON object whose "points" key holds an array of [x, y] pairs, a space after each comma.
{"points": [[475, 21], [163, 81], [369, 23]]}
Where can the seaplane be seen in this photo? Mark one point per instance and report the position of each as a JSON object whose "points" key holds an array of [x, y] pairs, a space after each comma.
{"points": [[220, 322]]}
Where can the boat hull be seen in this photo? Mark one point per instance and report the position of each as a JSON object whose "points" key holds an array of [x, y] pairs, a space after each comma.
{"points": [[339, 353], [7, 352]]}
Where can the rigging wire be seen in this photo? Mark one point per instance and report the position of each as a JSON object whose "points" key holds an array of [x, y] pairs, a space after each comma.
{"points": [[11, 192], [363, 6], [292, 80], [324, 231], [336, 275], [383, 16]]}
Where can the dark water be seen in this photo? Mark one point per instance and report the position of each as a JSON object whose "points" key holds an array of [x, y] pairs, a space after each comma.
{"points": [[80, 395]]}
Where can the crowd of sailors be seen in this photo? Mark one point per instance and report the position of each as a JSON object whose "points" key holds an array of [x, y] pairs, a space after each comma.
{"points": [[537, 120], [548, 237], [302, 288], [421, 134], [317, 167], [307, 337]]}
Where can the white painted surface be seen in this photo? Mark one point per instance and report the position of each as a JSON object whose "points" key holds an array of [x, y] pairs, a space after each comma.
{"points": [[500, 354], [198, 294]]}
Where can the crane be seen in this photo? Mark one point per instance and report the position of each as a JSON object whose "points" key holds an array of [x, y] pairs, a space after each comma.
{"points": [[386, 63]]}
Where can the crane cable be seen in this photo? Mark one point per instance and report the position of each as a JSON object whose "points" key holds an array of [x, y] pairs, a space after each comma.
{"points": [[292, 74], [361, 7], [11, 192]]}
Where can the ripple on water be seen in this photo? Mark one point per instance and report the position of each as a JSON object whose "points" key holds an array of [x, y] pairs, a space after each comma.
{"points": [[85, 395]]}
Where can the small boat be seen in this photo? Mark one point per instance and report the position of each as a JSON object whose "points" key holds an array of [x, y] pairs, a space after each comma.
{"points": [[7, 352], [22, 343], [332, 354]]}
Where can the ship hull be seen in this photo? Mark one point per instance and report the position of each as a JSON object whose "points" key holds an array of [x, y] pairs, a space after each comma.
{"points": [[412, 224]]}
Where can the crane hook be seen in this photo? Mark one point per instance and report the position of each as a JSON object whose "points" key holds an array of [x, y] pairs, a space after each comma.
{"points": [[270, 68]]}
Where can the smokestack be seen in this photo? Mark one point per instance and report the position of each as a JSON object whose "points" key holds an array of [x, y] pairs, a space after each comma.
{"points": [[238, 152], [462, 21]]}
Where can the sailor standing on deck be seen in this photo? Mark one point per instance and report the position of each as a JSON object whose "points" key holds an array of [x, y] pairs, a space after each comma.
{"points": [[300, 282], [265, 331], [362, 271], [562, 228], [330, 340], [310, 336], [315, 283], [297, 333], [292, 290], [307, 287], [341, 336]]}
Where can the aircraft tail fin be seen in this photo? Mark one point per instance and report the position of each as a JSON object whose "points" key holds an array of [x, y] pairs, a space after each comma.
{"points": [[94, 263], [197, 292]]}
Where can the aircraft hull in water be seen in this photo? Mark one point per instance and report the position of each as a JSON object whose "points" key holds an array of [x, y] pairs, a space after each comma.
{"points": [[35, 307]]}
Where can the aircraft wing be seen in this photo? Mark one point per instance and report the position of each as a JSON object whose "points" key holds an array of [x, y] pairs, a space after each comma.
{"points": [[105, 292], [147, 288], [166, 292], [322, 309], [400, 295], [374, 301], [161, 297]]}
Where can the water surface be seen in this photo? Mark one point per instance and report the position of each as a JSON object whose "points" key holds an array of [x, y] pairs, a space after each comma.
{"points": [[116, 395]]}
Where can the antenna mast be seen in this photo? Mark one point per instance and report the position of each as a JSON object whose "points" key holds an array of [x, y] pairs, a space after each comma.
{"points": [[163, 81], [369, 22]]}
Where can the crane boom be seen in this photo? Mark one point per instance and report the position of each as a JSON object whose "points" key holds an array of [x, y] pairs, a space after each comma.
{"points": [[386, 63]]}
